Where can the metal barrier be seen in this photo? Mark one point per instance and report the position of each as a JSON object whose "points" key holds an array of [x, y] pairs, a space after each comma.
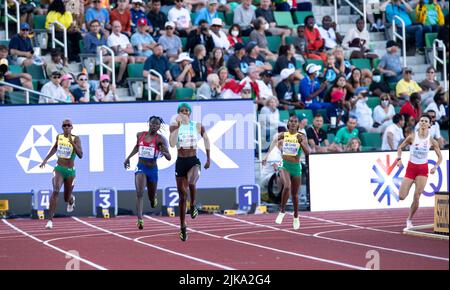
{"points": [[439, 44], [402, 37], [149, 83], [28, 91], [362, 13], [56, 41], [103, 65], [259, 143], [9, 16]]}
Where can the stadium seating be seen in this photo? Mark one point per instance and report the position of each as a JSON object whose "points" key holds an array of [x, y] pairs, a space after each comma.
{"points": [[308, 113], [284, 115], [274, 43], [184, 93], [299, 16], [371, 140], [39, 21], [284, 19], [372, 102], [361, 63]]}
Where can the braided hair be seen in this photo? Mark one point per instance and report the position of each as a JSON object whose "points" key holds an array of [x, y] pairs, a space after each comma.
{"points": [[156, 118]]}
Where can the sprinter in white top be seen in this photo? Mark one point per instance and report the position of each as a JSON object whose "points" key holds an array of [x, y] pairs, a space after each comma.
{"points": [[417, 169]]}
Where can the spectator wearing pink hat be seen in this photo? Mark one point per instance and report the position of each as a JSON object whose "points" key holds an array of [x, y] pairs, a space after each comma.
{"points": [[66, 81], [106, 92], [142, 41]]}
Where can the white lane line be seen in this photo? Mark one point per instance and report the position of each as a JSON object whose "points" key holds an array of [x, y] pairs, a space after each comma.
{"points": [[265, 247], [156, 247], [343, 241], [54, 247]]}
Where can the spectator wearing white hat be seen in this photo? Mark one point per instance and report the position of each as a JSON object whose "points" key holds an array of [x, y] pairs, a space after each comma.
{"points": [[313, 91], [183, 72], [171, 42], [122, 48], [181, 17], [286, 91], [208, 13], [142, 41], [219, 36]]}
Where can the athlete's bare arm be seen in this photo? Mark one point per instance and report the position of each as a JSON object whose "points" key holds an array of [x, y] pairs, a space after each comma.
{"points": [[302, 140], [50, 154], [135, 150], [202, 131], [435, 144], [162, 145], [406, 142], [76, 145], [274, 143]]}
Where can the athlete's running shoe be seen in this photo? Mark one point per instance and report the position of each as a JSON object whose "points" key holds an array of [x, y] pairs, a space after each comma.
{"points": [[194, 212], [49, 225], [154, 202], [409, 224], [183, 233], [140, 224], [70, 207], [280, 218], [296, 223]]}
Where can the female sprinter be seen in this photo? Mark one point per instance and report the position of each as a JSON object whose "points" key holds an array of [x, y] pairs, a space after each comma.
{"points": [[149, 146], [292, 143], [66, 147], [417, 169], [183, 134]]}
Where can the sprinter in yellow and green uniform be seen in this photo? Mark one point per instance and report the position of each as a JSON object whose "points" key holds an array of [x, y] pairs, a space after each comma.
{"points": [[291, 143], [67, 147]]}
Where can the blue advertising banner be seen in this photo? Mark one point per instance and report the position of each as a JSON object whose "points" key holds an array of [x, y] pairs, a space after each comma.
{"points": [[108, 134]]}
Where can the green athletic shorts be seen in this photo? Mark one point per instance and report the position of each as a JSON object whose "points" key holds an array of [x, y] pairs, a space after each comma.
{"points": [[65, 171], [294, 168]]}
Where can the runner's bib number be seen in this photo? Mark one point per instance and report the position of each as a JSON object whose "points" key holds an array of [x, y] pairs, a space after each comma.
{"points": [[64, 151], [146, 151]]}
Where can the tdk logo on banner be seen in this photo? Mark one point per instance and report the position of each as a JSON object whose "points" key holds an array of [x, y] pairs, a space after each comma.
{"points": [[40, 139], [34, 148], [388, 185]]}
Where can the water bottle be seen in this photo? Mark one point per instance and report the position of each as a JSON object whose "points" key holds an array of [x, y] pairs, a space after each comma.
{"points": [[91, 67]]}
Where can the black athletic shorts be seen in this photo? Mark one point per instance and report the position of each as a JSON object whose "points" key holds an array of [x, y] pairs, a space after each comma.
{"points": [[184, 164]]}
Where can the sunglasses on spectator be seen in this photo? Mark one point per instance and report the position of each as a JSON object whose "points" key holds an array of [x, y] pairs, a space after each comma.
{"points": [[83, 80], [25, 29], [430, 72], [170, 28], [96, 1], [56, 77], [105, 81], [432, 117], [67, 125]]}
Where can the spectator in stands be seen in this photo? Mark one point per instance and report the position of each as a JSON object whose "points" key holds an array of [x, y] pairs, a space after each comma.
{"points": [[122, 48], [435, 130], [199, 65], [216, 60], [300, 5], [160, 63], [286, 59], [329, 34], [332, 70], [265, 85], [200, 35], [265, 11], [83, 91], [362, 111], [244, 15], [53, 89], [413, 107], [182, 72], [286, 91], [430, 86], [304, 5], [429, 14], [210, 89], [223, 76], [219, 36], [344, 134], [269, 118], [317, 137], [100, 14], [66, 82], [157, 19], [57, 12], [18, 79], [337, 95], [254, 57], [379, 87], [312, 90], [57, 62], [315, 43], [250, 82], [374, 15], [406, 86], [21, 48], [393, 134], [354, 145], [26, 9], [300, 43], [438, 106], [171, 42], [234, 34], [234, 62], [142, 41], [354, 82], [106, 92], [258, 35], [356, 42], [443, 34], [390, 64], [181, 17], [94, 40], [122, 14], [208, 13], [401, 9], [383, 113], [137, 12], [75, 7], [341, 63]]}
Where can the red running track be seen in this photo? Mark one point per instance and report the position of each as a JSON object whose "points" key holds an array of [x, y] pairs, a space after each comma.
{"points": [[326, 240]]}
